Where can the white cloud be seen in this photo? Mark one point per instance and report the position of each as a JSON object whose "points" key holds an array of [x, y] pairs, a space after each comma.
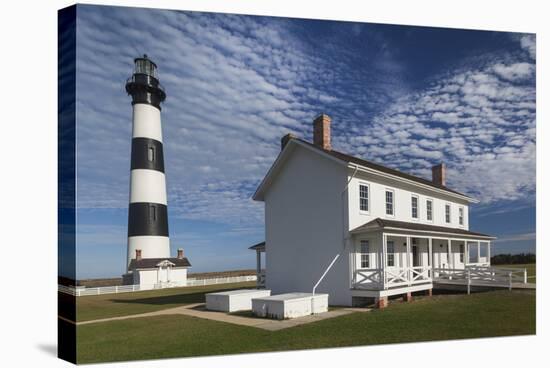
{"points": [[514, 72], [529, 43]]}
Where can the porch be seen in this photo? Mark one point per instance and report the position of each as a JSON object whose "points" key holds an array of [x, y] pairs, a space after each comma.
{"points": [[260, 272], [398, 261]]}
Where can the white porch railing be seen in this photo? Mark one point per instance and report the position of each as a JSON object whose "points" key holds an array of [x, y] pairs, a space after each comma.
{"points": [[260, 280], [378, 279], [482, 276]]}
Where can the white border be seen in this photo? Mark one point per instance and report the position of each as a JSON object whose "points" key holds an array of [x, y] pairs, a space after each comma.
{"points": [[29, 39]]}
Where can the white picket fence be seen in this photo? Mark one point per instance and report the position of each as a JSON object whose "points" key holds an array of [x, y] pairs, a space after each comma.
{"points": [[83, 291]]}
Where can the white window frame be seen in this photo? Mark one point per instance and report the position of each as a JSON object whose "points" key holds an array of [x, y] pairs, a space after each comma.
{"points": [[364, 256], [461, 216], [450, 213], [388, 254], [417, 218], [386, 202], [367, 211], [432, 209]]}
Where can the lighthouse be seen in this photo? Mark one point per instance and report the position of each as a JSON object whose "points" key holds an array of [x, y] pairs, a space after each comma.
{"points": [[148, 259], [147, 212]]}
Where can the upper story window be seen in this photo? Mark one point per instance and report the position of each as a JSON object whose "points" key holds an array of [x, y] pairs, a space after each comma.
{"points": [[461, 216], [151, 154], [390, 202], [429, 210], [448, 213], [364, 197], [365, 256], [391, 253], [414, 207]]}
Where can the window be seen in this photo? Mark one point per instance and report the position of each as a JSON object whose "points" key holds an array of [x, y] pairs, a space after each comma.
{"points": [[461, 250], [414, 207], [461, 216], [483, 249], [391, 253], [365, 256], [364, 197], [448, 213], [472, 252], [429, 210], [152, 213], [389, 202], [151, 154]]}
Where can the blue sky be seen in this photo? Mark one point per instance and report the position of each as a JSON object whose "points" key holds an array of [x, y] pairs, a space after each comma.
{"points": [[407, 97]]}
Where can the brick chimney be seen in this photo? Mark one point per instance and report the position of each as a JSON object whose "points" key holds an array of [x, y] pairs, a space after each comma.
{"points": [[138, 254], [286, 138], [180, 253], [321, 132], [439, 174]]}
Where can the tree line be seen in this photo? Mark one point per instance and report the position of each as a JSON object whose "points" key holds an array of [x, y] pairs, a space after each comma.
{"points": [[513, 258]]}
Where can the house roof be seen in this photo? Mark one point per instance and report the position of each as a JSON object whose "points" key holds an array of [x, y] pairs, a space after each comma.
{"points": [[153, 262], [378, 167], [344, 158], [402, 225], [260, 246]]}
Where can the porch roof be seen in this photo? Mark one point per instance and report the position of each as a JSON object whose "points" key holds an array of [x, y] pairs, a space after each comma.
{"points": [[379, 223], [259, 246], [154, 262]]}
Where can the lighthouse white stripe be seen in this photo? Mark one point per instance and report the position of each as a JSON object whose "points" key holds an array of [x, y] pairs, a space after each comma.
{"points": [[147, 186], [147, 122], [151, 247]]}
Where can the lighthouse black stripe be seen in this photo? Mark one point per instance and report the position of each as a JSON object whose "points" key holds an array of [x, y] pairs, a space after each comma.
{"points": [[147, 153], [147, 219]]}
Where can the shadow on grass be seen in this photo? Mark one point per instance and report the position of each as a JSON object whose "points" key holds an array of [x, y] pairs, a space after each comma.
{"points": [[187, 298], [167, 299]]}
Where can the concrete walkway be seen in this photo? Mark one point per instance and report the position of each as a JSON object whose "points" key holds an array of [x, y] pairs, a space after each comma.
{"points": [[198, 310]]}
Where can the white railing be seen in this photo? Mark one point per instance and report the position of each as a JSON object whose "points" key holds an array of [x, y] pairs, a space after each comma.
{"points": [[83, 291], [482, 276], [260, 281], [379, 279]]}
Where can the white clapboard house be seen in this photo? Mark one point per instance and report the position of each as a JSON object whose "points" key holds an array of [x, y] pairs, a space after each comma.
{"points": [[387, 232]]}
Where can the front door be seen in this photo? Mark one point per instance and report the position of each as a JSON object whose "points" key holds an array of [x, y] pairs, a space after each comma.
{"points": [[416, 260]]}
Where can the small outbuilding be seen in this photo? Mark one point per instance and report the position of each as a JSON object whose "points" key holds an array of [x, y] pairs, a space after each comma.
{"points": [[290, 305], [150, 273], [234, 300]]}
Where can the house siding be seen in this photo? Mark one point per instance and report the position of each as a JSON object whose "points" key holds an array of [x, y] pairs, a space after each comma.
{"points": [[305, 216], [402, 203]]}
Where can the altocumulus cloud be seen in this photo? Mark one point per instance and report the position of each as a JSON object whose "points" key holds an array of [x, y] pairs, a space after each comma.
{"points": [[236, 84], [480, 120]]}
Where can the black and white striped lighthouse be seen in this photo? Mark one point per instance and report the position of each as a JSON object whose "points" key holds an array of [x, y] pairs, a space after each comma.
{"points": [[147, 215]]}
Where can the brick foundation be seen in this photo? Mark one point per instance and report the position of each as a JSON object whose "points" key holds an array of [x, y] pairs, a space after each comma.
{"points": [[429, 292], [407, 297], [382, 302]]}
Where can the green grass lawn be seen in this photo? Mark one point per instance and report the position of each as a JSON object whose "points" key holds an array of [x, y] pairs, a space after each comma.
{"points": [[531, 270], [496, 313], [115, 305]]}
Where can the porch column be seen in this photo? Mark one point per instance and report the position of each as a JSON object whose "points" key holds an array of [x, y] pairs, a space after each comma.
{"points": [[258, 262], [489, 253], [466, 253], [430, 257], [449, 254], [384, 258], [478, 251], [408, 257], [258, 268]]}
